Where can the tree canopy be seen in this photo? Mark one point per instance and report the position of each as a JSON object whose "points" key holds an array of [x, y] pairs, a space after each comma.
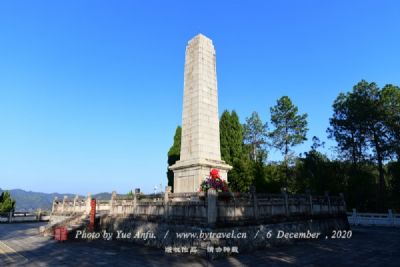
{"points": [[231, 136], [365, 126], [7, 204], [255, 135], [233, 152], [290, 128], [174, 154]]}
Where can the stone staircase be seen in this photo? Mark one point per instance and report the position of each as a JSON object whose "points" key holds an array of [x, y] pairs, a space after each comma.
{"points": [[73, 223]]}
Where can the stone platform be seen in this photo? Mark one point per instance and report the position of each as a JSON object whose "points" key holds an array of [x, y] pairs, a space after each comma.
{"points": [[21, 245], [246, 238]]}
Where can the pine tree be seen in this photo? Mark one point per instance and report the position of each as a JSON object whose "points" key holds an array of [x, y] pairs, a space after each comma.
{"points": [[224, 129], [390, 97], [236, 136], [231, 136], [255, 135], [231, 139], [364, 121], [174, 154], [290, 128]]}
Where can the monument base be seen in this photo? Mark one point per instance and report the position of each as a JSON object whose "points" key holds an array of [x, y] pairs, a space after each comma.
{"points": [[189, 174]]}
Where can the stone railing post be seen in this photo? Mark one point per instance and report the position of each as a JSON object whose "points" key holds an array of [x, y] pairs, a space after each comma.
{"points": [[135, 200], [112, 202], [88, 204], [75, 200], [10, 215], [53, 208], [329, 201], [39, 214], [255, 202], [63, 204], [211, 207], [166, 200], [285, 199]]}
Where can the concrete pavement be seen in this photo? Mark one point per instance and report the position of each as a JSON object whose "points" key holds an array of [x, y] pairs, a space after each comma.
{"points": [[21, 245]]}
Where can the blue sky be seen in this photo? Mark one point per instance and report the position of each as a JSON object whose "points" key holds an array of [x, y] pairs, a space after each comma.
{"points": [[91, 91]]}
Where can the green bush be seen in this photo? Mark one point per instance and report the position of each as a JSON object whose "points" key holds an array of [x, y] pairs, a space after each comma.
{"points": [[7, 204]]}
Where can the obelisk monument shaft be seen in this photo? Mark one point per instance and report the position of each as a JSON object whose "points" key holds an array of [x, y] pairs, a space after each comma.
{"points": [[200, 123], [200, 143]]}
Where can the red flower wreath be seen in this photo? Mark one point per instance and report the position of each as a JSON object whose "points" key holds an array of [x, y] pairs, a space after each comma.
{"points": [[214, 181]]}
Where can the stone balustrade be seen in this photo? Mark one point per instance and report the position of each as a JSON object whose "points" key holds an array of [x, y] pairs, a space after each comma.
{"points": [[377, 219], [208, 209], [9, 217]]}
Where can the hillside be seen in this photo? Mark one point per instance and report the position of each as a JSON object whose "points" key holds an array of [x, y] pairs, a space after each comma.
{"points": [[30, 201]]}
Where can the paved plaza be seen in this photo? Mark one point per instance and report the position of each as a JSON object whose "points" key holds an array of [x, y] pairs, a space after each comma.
{"points": [[20, 245]]}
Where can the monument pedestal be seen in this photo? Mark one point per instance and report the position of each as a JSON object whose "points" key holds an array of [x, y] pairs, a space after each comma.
{"points": [[189, 174]]}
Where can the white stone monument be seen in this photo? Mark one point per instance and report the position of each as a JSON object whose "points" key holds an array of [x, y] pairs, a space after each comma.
{"points": [[200, 146]]}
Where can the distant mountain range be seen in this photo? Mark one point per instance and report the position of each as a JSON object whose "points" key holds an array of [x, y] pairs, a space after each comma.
{"points": [[31, 201]]}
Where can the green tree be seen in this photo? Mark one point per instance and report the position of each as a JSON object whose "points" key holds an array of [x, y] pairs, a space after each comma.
{"points": [[361, 120], [7, 204], [255, 135], [272, 181], [394, 172], [369, 106], [311, 170], [174, 154], [361, 187], [224, 127], [316, 143], [290, 128], [317, 173], [231, 136], [241, 176], [348, 131], [390, 96], [233, 152], [262, 181]]}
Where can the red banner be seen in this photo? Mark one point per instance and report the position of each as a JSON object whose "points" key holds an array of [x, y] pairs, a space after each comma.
{"points": [[92, 214]]}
